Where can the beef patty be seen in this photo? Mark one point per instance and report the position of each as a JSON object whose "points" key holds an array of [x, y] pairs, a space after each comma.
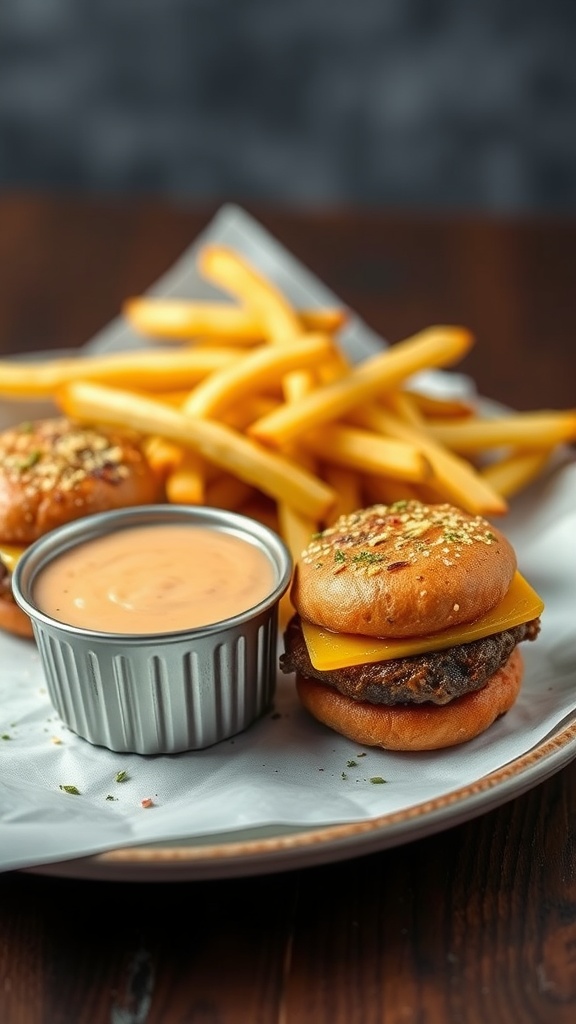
{"points": [[437, 677]]}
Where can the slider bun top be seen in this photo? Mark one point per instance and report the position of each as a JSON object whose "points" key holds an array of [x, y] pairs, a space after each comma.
{"points": [[54, 470], [403, 570]]}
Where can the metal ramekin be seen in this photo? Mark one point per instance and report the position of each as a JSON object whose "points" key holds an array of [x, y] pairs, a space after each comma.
{"points": [[167, 692]]}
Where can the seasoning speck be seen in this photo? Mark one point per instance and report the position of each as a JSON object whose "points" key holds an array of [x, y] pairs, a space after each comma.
{"points": [[147, 802], [121, 777], [73, 790], [377, 780]]}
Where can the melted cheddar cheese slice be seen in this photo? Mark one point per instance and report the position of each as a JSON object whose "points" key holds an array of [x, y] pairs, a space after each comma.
{"points": [[10, 553], [337, 650]]}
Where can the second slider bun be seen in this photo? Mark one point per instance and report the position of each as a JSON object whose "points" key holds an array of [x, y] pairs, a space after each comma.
{"points": [[53, 471], [403, 570]]}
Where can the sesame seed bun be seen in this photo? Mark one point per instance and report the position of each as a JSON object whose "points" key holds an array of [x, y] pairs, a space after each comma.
{"points": [[403, 570], [53, 471], [414, 726]]}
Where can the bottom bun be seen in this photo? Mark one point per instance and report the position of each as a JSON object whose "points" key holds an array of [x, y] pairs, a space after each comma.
{"points": [[415, 727], [13, 619]]}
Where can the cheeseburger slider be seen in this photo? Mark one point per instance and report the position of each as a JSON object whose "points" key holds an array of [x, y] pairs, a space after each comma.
{"points": [[53, 471], [408, 622]]}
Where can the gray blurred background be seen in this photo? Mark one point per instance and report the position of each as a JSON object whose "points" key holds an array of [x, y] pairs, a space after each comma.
{"points": [[466, 105]]}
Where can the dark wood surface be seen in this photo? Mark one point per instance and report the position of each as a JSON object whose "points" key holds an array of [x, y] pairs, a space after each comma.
{"points": [[476, 924]]}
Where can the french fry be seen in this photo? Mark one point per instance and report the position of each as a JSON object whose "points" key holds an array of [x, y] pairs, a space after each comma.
{"points": [[367, 452], [280, 322], [403, 405], [436, 346], [453, 476], [254, 373], [234, 273], [347, 483], [296, 530], [514, 472], [147, 370], [164, 456], [240, 415], [440, 408], [271, 472], [542, 429], [185, 320], [227, 491], [186, 484], [174, 398], [381, 490], [334, 369], [263, 509], [298, 383]]}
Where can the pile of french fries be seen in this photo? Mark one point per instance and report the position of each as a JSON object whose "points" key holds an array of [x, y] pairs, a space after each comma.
{"points": [[253, 406]]}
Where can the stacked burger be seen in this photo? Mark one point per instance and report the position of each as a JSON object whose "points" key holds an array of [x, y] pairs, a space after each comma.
{"points": [[407, 626]]}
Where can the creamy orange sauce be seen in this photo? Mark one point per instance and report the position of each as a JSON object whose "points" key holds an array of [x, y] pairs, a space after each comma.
{"points": [[155, 579]]}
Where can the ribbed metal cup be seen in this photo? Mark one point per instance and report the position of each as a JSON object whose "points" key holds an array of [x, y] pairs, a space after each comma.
{"points": [[167, 692]]}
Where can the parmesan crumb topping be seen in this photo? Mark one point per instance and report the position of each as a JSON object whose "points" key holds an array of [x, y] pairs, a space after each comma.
{"points": [[410, 530], [59, 454]]}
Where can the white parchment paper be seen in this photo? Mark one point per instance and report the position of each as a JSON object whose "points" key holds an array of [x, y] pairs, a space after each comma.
{"points": [[287, 769]]}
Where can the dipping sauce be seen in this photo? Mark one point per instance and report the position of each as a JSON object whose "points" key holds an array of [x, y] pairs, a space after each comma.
{"points": [[155, 579]]}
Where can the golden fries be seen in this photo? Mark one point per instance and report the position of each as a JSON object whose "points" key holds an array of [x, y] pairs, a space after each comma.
{"points": [[228, 491], [431, 405], [181, 320], [367, 452], [186, 484], [258, 371], [296, 529], [273, 474], [348, 485], [436, 346], [541, 429], [230, 271], [513, 472], [260, 411], [144, 369], [451, 475]]}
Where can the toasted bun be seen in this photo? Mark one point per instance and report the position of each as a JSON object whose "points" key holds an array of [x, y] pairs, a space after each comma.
{"points": [[13, 619], [53, 471], [415, 727], [403, 570]]}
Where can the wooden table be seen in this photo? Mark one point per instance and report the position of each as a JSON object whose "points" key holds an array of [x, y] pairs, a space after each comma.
{"points": [[476, 924]]}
